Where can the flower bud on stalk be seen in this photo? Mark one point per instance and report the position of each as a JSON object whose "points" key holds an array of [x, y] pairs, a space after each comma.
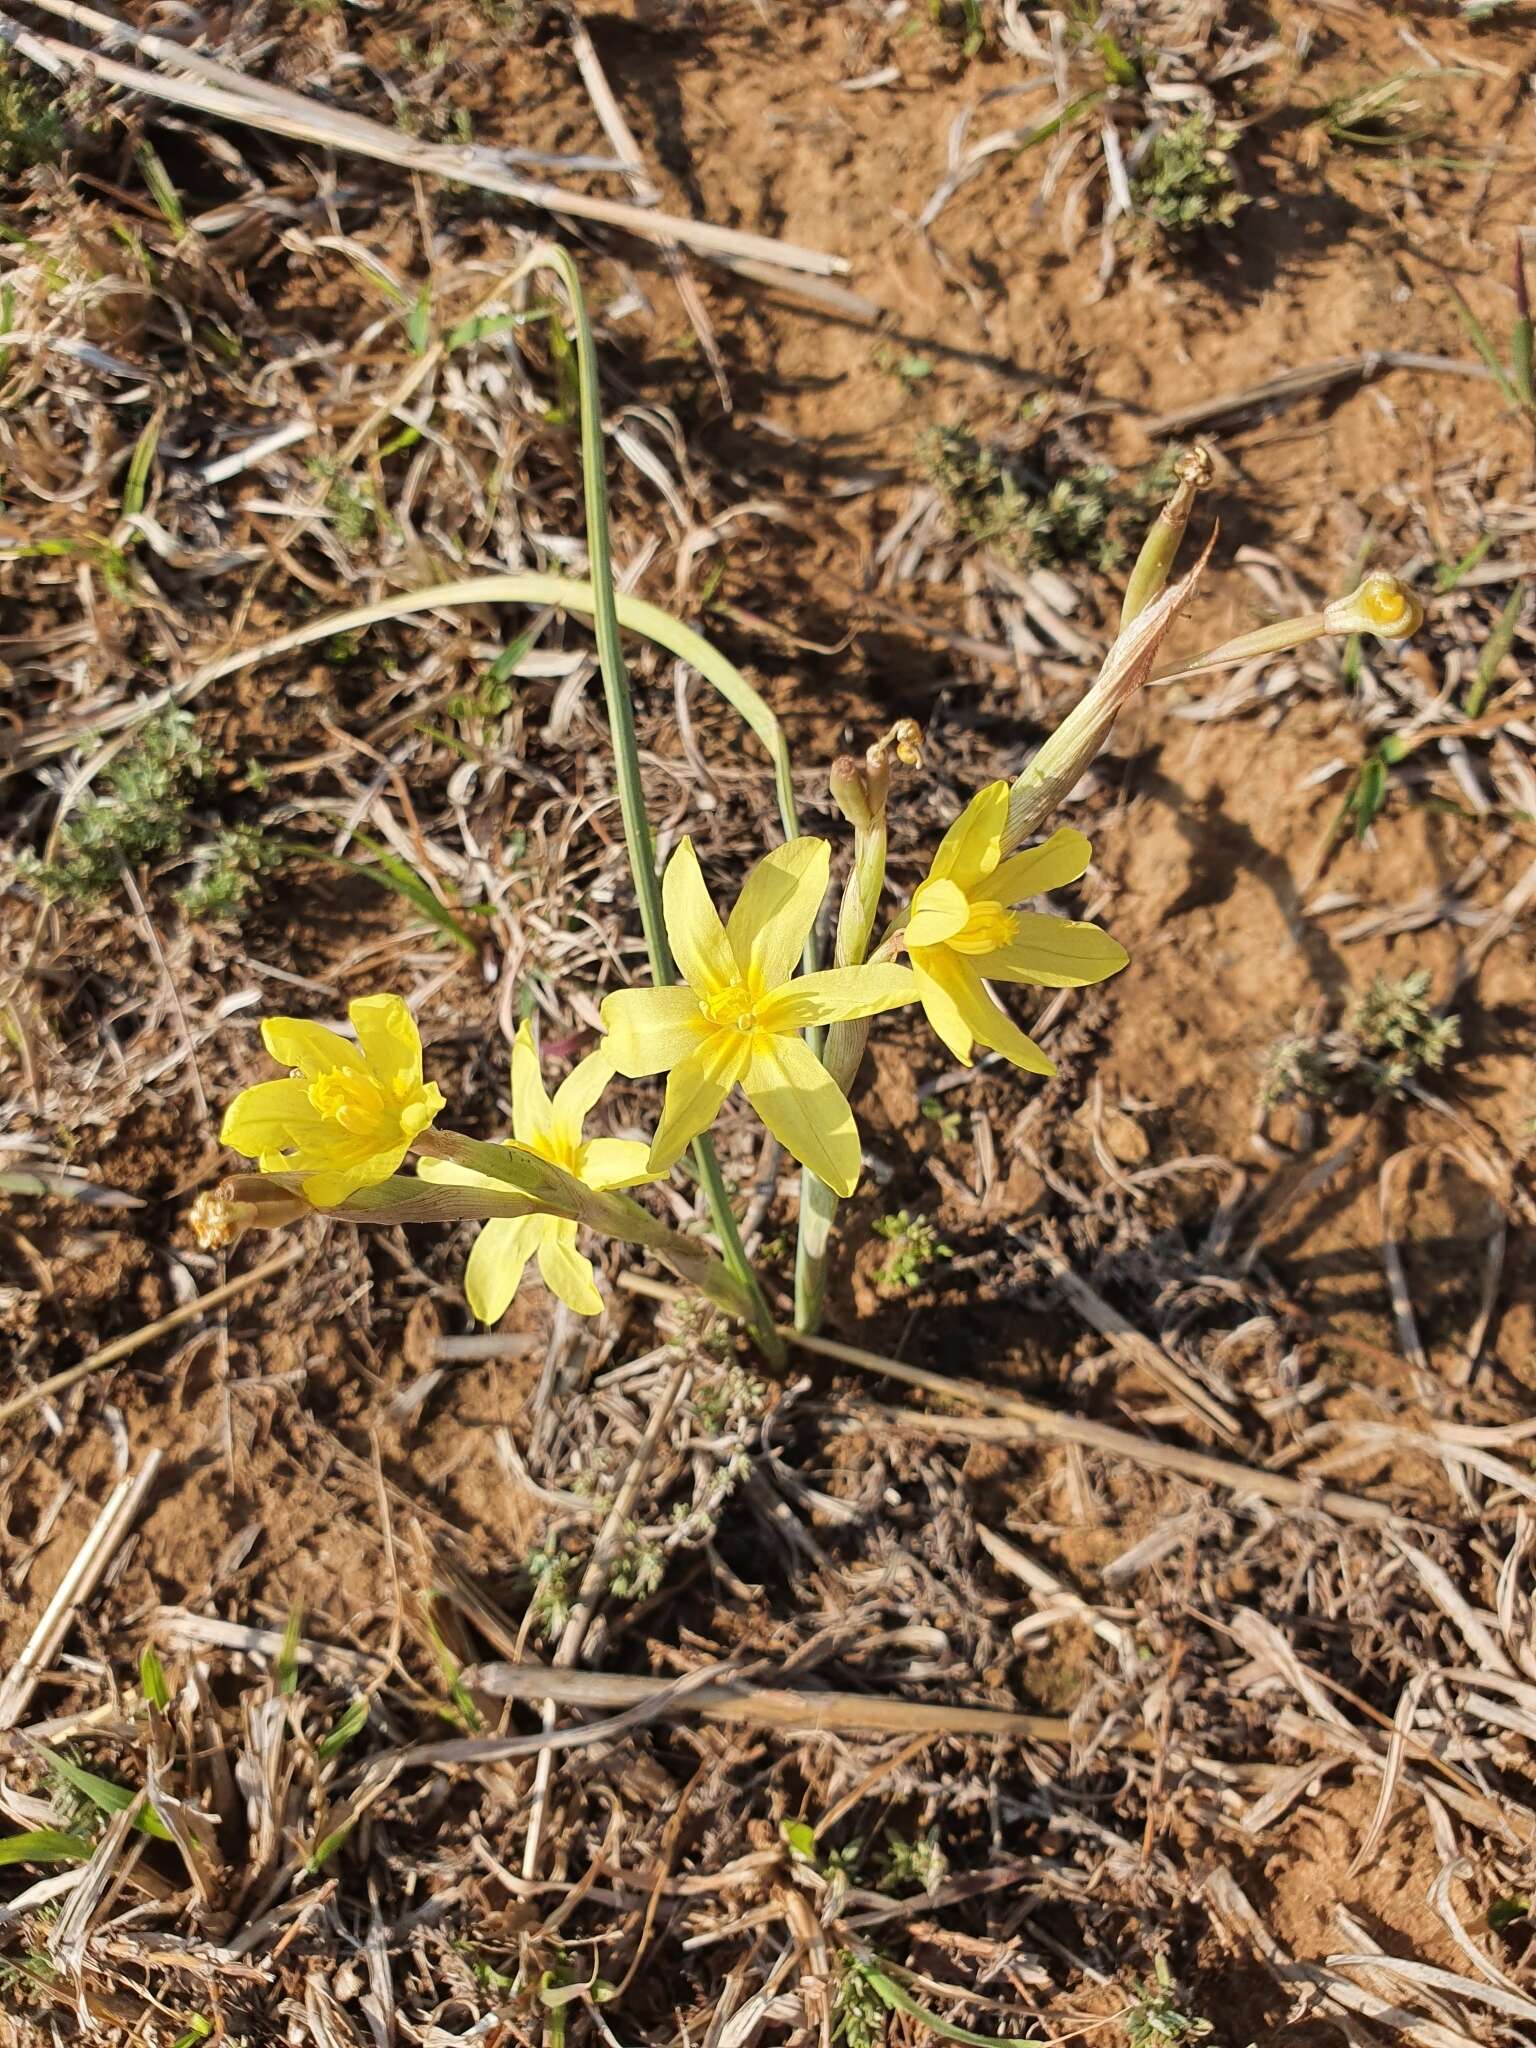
{"points": [[860, 790], [1154, 565]]}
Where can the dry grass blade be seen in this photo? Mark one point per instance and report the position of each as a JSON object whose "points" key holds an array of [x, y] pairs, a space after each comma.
{"points": [[88, 1567], [749, 1704], [461, 164]]}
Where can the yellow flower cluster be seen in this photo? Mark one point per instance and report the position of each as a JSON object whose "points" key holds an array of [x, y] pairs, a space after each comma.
{"points": [[348, 1113]]}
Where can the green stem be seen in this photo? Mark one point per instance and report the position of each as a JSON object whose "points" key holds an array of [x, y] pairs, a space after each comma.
{"points": [[638, 842], [841, 1052]]}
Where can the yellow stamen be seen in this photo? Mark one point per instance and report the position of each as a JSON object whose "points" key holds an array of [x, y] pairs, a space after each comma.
{"points": [[987, 930]]}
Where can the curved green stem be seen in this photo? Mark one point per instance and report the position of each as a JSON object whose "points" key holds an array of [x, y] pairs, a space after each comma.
{"points": [[626, 753]]}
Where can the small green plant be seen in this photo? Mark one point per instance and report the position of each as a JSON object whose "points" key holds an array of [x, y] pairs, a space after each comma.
{"points": [[1392, 1037], [1186, 182], [914, 1246], [945, 1121], [962, 19], [31, 131], [1396, 1024], [229, 874], [1155, 2018], [137, 813], [638, 1570], [354, 509], [1036, 507], [551, 1571], [858, 2010], [916, 1865]]}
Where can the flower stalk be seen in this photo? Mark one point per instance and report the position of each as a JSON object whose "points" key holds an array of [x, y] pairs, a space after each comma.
{"points": [[860, 791], [638, 842]]}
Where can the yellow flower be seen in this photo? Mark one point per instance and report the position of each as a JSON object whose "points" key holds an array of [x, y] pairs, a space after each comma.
{"points": [[552, 1131], [348, 1114], [963, 931], [738, 1012]]}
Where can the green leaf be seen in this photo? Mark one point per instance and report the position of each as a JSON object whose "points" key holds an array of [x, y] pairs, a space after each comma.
{"points": [[1478, 335], [390, 872], [152, 1679], [1368, 794], [136, 483], [1495, 649], [286, 1669], [418, 325], [1449, 574], [900, 2000], [44, 1845], [799, 1839], [348, 1727], [198, 2029], [106, 1795], [1504, 1912], [327, 1846], [486, 326]]}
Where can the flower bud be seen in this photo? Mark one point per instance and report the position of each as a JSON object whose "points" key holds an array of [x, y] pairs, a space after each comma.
{"points": [[852, 795], [221, 1216], [1383, 605]]}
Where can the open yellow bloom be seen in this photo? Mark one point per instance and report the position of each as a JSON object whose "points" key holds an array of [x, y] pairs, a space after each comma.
{"points": [[737, 1015], [550, 1130], [348, 1114], [964, 931]]}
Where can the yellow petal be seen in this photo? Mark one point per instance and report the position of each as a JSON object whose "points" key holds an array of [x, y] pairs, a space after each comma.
{"points": [[939, 1006], [939, 911], [330, 1187], [615, 1163], [986, 1023], [387, 1032], [695, 1091], [295, 1042], [579, 1094], [496, 1261], [775, 911], [1054, 952], [1051, 865], [972, 847], [836, 995], [566, 1273], [651, 1029], [264, 1118], [694, 930], [530, 1104], [806, 1111]]}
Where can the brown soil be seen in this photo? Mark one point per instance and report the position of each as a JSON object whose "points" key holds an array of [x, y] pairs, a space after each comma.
{"points": [[307, 1461]]}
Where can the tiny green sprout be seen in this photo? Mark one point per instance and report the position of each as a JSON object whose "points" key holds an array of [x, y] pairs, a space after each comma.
{"points": [[286, 1668], [946, 1121], [638, 1570], [915, 1865], [914, 1245], [799, 1837], [152, 1680], [1155, 2018], [1506, 1910], [551, 1571]]}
